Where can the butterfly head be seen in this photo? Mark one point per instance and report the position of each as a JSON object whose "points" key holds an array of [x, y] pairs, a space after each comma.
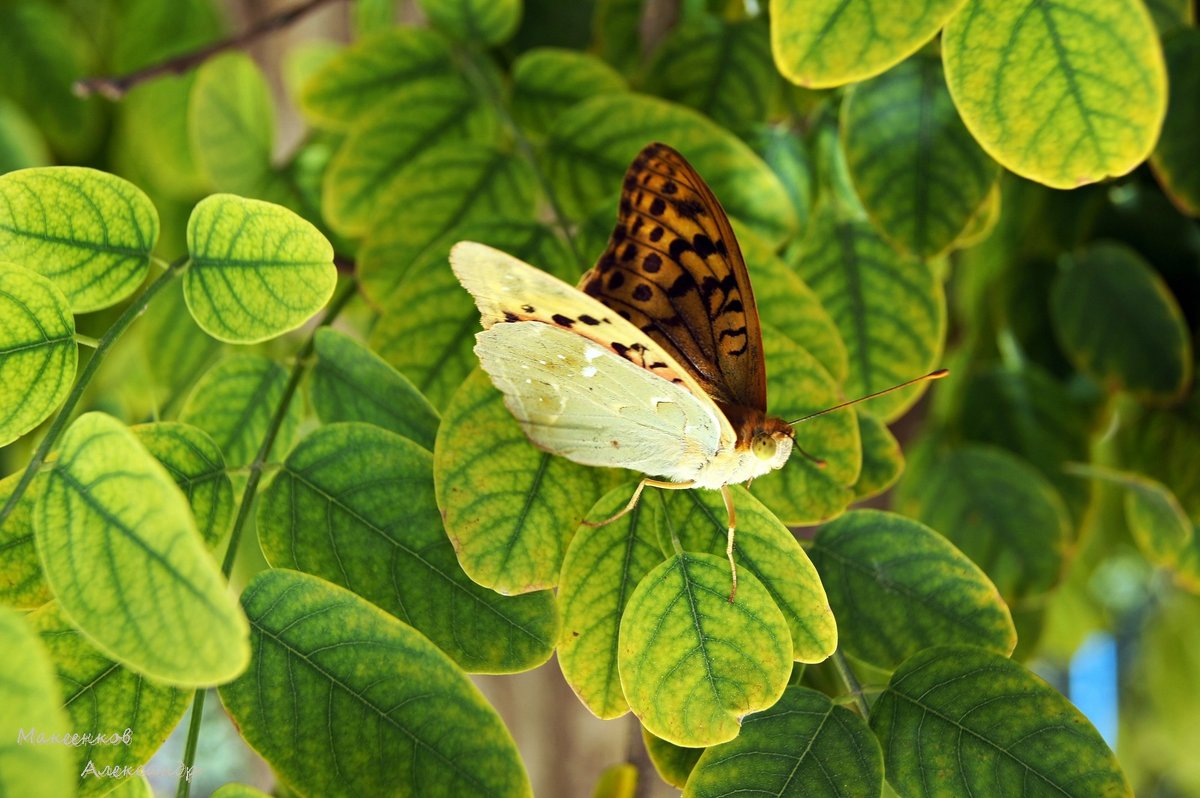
{"points": [[771, 442]]}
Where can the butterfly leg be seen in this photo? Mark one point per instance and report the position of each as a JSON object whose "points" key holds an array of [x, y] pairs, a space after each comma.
{"points": [[637, 494], [728, 497]]}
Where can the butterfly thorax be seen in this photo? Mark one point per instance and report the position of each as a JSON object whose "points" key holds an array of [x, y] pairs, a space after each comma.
{"points": [[763, 445]]}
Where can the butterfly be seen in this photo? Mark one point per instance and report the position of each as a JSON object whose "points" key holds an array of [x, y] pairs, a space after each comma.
{"points": [[654, 362]]}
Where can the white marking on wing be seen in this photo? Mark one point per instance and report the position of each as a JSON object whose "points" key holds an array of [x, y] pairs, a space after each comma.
{"points": [[592, 352], [589, 371]]}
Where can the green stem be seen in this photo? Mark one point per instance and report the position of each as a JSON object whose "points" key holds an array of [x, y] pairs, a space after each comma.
{"points": [[256, 471], [851, 681], [86, 340], [484, 84], [135, 309]]}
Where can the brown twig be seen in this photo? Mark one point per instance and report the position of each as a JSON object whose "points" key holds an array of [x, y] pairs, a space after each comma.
{"points": [[117, 86]]}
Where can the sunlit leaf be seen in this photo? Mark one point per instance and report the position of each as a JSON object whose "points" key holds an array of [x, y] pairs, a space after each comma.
{"points": [[102, 255], [234, 401], [1066, 92], [102, 697], [833, 42], [600, 570], [999, 512], [257, 270], [383, 539], [898, 587], [802, 747], [21, 582], [30, 699], [617, 781], [891, 310], [485, 21], [352, 383], [547, 81], [591, 145], [1119, 323], [1174, 158], [122, 555], [38, 354], [509, 508], [198, 468], [692, 663], [330, 671], [919, 173], [958, 720]]}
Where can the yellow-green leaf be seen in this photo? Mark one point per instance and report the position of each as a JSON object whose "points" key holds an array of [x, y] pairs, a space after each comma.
{"points": [[122, 555], [38, 354], [548, 80], [692, 663], [820, 43], [21, 582], [882, 463], [1174, 159], [673, 762], [198, 468], [1064, 92], [489, 22], [90, 232], [257, 269]]}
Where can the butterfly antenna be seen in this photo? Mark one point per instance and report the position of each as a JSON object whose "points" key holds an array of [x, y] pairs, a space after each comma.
{"points": [[933, 375]]}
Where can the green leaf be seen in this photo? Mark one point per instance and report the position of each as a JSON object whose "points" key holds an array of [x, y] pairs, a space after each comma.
{"points": [[722, 69], [1170, 15], [957, 720], [548, 80], [174, 346], [22, 585], [102, 698], [488, 22], [234, 401], [30, 699], [352, 383], [431, 307], [601, 568], [803, 747], [764, 548], [821, 43], [882, 463], [360, 78], [919, 173], [1173, 159], [372, 162], [891, 310], [319, 516], [231, 127], [983, 222], [803, 492], [21, 143], [89, 232], [509, 508], [591, 145], [443, 188], [230, 790], [195, 463], [999, 511], [38, 355], [673, 762], [257, 270], [122, 555], [898, 587], [1119, 323], [1064, 93], [787, 155], [344, 700], [693, 664]]}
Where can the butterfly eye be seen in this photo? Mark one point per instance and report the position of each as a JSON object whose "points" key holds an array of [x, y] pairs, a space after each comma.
{"points": [[763, 446]]}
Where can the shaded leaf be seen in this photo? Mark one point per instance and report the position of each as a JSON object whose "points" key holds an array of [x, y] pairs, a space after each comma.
{"points": [[257, 270], [673, 762], [823, 43], [802, 747], [1064, 93], [102, 255], [21, 143], [177, 350], [548, 80], [919, 173], [1119, 323], [1174, 158], [891, 310], [882, 460], [383, 539], [958, 720], [898, 587], [488, 22], [22, 585], [123, 557], [693, 664], [509, 509], [591, 145], [234, 401], [1170, 15], [787, 155], [198, 468], [600, 570], [38, 355], [352, 383]]}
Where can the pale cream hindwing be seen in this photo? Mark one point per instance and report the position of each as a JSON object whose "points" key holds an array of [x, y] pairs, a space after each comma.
{"points": [[508, 290], [580, 400]]}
